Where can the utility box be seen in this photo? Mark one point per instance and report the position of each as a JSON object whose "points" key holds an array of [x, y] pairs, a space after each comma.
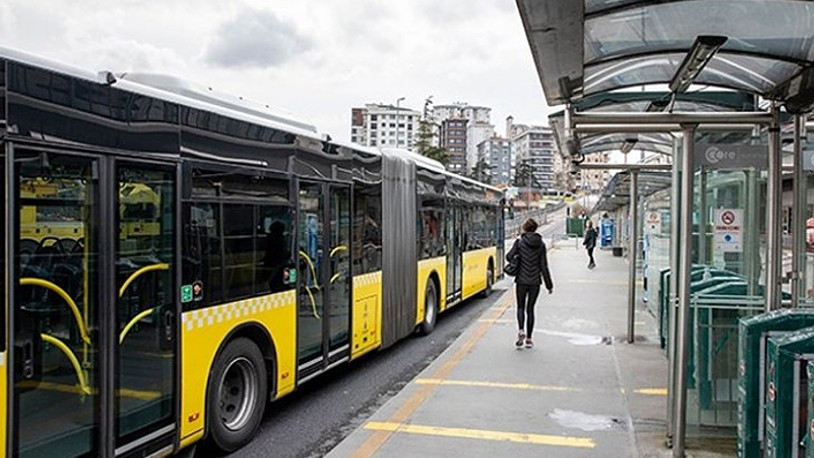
{"points": [[786, 392], [575, 226], [606, 232], [752, 336]]}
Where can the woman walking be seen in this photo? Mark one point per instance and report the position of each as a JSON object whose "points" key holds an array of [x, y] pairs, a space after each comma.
{"points": [[533, 266], [590, 242]]}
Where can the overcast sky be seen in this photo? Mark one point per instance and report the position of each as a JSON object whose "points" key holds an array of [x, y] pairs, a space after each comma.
{"points": [[316, 58]]}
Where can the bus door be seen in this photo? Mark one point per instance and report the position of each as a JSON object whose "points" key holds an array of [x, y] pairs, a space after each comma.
{"points": [[323, 322], [454, 253], [93, 316]]}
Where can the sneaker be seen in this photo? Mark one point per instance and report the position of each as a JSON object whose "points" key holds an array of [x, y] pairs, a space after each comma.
{"points": [[521, 336], [529, 343]]}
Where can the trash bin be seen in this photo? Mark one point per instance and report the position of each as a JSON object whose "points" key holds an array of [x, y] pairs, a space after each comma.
{"points": [[752, 334], [786, 392]]}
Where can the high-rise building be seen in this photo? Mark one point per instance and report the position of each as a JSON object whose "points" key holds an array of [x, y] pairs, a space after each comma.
{"points": [[478, 129], [452, 137], [534, 148], [496, 153], [384, 126]]}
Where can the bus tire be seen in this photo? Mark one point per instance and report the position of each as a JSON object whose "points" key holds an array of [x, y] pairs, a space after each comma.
{"points": [[237, 393], [490, 280], [430, 309]]}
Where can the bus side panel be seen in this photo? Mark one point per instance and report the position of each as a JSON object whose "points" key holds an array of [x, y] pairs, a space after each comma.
{"points": [[367, 313], [202, 334], [425, 269], [3, 408], [475, 264]]}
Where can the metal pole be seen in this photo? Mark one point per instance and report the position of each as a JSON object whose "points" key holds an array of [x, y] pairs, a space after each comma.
{"points": [[799, 217], [702, 217], [694, 117], [773, 204], [634, 241], [675, 221], [683, 279]]}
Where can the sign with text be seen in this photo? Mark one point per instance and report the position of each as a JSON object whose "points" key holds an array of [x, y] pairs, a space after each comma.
{"points": [[728, 235], [652, 221], [729, 156]]}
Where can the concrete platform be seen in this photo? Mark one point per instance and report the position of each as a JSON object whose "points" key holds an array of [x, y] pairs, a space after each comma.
{"points": [[582, 391]]}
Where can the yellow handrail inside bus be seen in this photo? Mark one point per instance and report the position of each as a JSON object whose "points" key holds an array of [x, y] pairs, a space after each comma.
{"points": [[133, 322], [80, 374], [336, 275], [143, 270], [308, 288], [61, 292], [338, 249], [311, 265]]}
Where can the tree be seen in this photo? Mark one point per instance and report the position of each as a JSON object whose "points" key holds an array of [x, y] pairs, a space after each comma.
{"points": [[425, 135], [482, 171], [524, 179], [524, 175]]}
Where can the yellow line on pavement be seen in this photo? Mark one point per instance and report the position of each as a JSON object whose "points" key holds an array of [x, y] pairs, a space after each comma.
{"points": [[514, 386], [652, 391], [377, 439], [523, 438]]}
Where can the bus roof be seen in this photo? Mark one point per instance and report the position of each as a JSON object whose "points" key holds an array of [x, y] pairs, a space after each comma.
{"points": [[174, 90]]}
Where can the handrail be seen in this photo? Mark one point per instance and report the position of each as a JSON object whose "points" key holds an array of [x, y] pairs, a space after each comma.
{"points": [[83, 384], [61, 292], [308, 288], [143, 270], [133, 322], [310, 264], [338, 249]]}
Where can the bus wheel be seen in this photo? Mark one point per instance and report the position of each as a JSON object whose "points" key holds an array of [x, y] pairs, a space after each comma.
{"points": [[490, 280], [237, 394], [430, 309]]}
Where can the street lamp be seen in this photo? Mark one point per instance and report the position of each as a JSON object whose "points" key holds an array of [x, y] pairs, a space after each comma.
{"points": [[398, 118]]}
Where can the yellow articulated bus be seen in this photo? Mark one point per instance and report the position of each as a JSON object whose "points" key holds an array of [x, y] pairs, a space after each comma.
{"points": [[175, 260]]}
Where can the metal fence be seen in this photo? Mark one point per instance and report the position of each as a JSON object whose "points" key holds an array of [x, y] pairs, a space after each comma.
{"points": [[541, 215], [714, 362]]}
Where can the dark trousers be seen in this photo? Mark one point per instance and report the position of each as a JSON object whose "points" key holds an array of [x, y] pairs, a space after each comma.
{"points": [[591, 256], [526, 298]]}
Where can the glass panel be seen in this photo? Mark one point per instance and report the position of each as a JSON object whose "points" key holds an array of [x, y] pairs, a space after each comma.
{"points": [[56, 318], [202, 253], [367, 237], [751, 73], [751, 25], [431, 230], [339, 289], [145, 312], [309, 323]]}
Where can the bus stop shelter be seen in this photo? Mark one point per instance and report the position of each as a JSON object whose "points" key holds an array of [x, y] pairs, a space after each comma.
{"points": [[757, 48]]}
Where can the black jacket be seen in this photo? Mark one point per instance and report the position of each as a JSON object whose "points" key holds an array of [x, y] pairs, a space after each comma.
{"points": [[590, 238], [533, 262]]}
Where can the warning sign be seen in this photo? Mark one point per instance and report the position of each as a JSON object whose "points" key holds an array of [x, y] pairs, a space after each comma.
{"points": [[728, 230], [653, 222]]}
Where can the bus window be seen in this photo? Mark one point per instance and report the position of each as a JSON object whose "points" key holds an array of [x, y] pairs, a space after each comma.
{"points": [[431, 229], [367, 237]]}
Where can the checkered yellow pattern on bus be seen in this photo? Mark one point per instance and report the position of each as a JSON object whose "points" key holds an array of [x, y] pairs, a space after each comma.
{"points": [[236, 311], [361, 281], [202, 333]]}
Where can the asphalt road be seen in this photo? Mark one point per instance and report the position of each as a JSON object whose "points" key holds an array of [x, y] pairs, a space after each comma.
{"points": [[311, 421]]}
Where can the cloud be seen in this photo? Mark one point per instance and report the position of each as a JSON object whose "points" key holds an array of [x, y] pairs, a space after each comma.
{"points": [[255, 38]]}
